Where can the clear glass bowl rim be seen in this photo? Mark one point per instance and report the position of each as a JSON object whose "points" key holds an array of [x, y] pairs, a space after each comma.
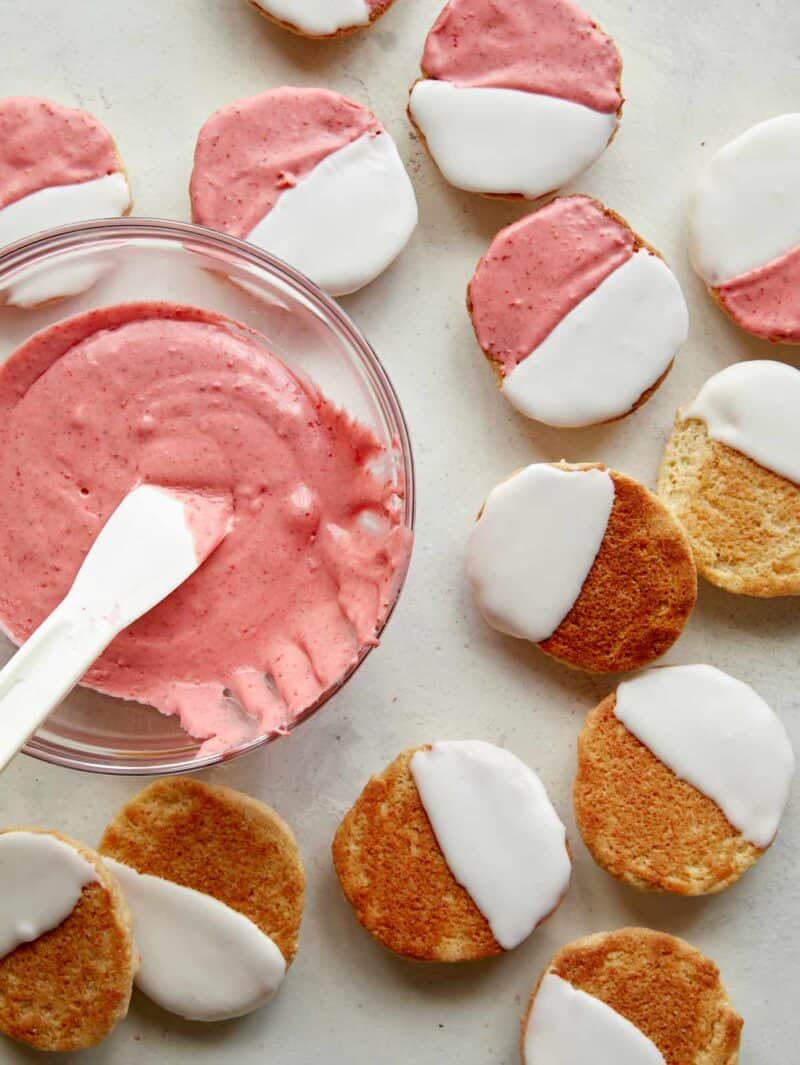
{"points": [[26, 252]]}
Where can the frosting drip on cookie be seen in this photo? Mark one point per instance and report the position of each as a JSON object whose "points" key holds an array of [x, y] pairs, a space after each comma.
{"points": [[567, 1026], [172, 395], [199, 958], [717, 734], [752, 407], [534, 545], [498, 831], [42, 879]]}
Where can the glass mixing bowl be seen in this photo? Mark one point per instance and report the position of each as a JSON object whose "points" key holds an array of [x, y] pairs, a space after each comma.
{"points": [[133, 259]]}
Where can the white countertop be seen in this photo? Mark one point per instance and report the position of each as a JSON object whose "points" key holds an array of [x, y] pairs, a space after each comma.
{"points": [[696, 74]]}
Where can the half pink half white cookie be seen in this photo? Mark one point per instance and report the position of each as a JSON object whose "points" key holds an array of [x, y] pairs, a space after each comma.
{"points": [[516, 99], [744, 229], [580, 317], [309, 176]]}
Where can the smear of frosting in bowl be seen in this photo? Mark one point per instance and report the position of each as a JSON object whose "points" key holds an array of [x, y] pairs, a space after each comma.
{"points": [[176, 396]]}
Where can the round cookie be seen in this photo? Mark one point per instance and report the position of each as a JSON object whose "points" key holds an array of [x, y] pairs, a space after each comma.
{"points": [[453, 853], [312, 178], [215, 882], [585, 562], [731, 475], [67, 957], [58, 165], [322, 18], [744, 229], [683, 774], [633, 995], [580, 319], [516, 99]]}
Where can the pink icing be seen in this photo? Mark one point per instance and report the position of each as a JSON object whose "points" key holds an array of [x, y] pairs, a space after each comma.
{"points": [[538, 269], [174, 396], [44, 144], [249, 152], [542, 46], [209, 518], [766, 301]]}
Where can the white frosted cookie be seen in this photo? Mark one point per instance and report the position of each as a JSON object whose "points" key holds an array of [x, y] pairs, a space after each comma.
{"points": [[58, 165], [744, 229], [453, 853], [323, 18], [585, 562], [215, 883], [683, 775], [579, 317], [309, 176], [630, 997], [731, 474], [516, 99]]}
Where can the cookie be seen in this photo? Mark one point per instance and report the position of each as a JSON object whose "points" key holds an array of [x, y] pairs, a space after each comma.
{"points": [[67, 957], [310, 177], [731, 475], [580, 319], [633, 996], [215, 882], [58, 165], [586, 563], [322, 18], [453, 853], [516, 99], [683, 775], [744, 229]]}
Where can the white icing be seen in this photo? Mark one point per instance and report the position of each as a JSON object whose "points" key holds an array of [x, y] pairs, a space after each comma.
{"points": [[318, 18], [499, 834], [717, 734], [41, 880], [45, 281], [199, 958], [568, 1027], [344, 222], [533, 546], [60, 205], [746, 209], [506, 141], [753, 408], [607, 351]]}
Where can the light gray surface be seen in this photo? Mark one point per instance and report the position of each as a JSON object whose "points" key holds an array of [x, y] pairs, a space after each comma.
{"points": [[696, 74]]}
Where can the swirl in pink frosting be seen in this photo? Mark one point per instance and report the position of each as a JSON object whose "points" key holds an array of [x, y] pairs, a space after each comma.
{"points": [[43, 144], [766, 301], [249, 152], [538, 269], [178, 397], [542, 46]]}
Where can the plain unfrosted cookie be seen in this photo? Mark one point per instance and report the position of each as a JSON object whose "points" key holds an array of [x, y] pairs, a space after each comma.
{"points": [[452, 853], [67, 957], [731, 475], [633, 995], [683, 774], [309, 176], [579, 317], [211, 874], [744, 229], [585, 562], [516, 99], [322, 18]]}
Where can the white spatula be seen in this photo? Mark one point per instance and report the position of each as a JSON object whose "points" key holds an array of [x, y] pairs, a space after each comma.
{"points": [[154, 540]]}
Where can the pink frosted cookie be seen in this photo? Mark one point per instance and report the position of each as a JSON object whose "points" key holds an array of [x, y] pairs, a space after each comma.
{"points": [[323, 18], [58, 165], [516, 99], [578, 315], [744, 229], [310, 177]]}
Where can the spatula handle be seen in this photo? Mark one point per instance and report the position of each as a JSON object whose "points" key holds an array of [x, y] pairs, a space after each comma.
{"points": [[44, 671]]}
